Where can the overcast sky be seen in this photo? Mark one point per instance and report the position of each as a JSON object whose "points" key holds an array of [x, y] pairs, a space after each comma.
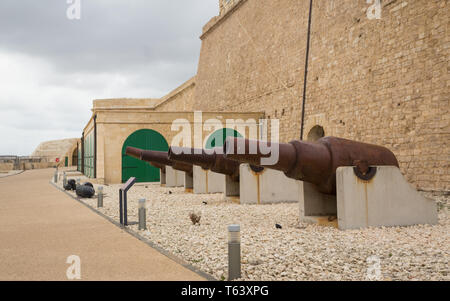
{"points": [[51, 68]]}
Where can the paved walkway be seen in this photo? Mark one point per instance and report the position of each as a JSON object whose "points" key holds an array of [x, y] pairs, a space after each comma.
{"points": [[41, 226]]}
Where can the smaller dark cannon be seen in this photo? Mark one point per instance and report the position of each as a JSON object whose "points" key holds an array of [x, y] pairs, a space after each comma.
{"points": [[212, 159], [71, 185], [316, 162], [85, 191]]}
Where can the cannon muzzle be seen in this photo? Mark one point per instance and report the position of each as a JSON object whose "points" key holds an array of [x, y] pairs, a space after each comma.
{"points": [[313, 162], [157, 159], [212, 159]]}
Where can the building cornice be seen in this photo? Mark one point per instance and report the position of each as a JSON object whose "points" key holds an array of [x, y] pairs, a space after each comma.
{"points": [[220, 19]]}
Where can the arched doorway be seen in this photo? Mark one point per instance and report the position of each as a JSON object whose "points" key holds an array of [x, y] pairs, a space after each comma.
{"points": [[132, 167], [75, 157], [316, 133], [217, 139]]}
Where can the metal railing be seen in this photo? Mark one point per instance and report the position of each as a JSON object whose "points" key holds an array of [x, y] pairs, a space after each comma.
{"points": [[123, 208]]}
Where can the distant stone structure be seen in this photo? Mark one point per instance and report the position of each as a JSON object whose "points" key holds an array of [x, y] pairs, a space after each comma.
{"points": [[44, 156], [382, 81], [61, 149], [9, 163]]}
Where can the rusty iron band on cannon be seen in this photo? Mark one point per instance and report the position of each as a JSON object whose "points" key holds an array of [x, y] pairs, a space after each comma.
{"points": [[315, 163]]}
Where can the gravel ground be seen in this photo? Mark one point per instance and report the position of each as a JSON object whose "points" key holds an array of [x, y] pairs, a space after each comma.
{"points": [[295, 252]]}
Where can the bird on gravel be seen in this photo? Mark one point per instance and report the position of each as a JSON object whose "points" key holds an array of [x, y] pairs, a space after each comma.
{"points": [[278, 226], [195, 219]]}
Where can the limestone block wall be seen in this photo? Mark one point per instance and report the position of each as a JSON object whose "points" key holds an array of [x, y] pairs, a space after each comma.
{"points": [[381, 81], [129, 103], [225, 5], [180, 99], [24, 163], [254, 60], [5, 167]]}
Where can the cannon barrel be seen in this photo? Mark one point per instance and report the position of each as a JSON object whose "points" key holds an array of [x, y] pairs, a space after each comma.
{"points": [[157, 159], [159, 166], [313, 162], [212, 159], [133, 152]]}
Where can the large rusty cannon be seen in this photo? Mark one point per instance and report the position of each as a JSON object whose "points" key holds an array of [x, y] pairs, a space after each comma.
{"points": [[315, 162], [158, 159], [212, 159]]}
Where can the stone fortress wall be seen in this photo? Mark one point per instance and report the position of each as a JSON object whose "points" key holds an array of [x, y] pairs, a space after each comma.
{"points": [[382, 81]]}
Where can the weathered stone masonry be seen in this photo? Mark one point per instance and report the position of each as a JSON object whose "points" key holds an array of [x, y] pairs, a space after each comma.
{"points": [[380, 81]]}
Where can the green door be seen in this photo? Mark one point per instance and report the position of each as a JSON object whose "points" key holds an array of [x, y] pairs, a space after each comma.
{"points": [[217, 139], [142, 171], [66, 162]]}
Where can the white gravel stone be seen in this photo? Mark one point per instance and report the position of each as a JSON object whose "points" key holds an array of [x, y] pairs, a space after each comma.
{"points": [[296, 252]]}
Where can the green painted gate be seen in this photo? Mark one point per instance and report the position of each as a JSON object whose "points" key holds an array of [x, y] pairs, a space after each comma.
{"points": [[142, 171], [89, 155], [217, 139]]}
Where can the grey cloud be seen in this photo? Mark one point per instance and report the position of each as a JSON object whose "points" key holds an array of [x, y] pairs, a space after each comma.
{"points": [[119, 48], [111, 35]]}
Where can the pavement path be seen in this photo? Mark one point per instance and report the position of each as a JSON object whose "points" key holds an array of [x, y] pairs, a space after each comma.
{"points": [[40, 227]]}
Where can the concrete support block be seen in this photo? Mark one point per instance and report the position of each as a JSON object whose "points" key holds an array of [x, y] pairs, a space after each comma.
{"points": [[206, 181], [314, 203], [249, 185], [231, 187], [174, 178], [385, 200], [316, 207], [266, 187]]}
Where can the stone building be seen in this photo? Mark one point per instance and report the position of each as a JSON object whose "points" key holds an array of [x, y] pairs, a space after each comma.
{"points": [[147, 124], [65, 150], [377, 73]]}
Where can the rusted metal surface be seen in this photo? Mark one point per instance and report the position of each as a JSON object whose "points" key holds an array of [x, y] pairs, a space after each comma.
{"points": [[158, 159], [187, 168], [257, 169], [363, 171], [316, 162], [159, 166], [207, 159]]}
